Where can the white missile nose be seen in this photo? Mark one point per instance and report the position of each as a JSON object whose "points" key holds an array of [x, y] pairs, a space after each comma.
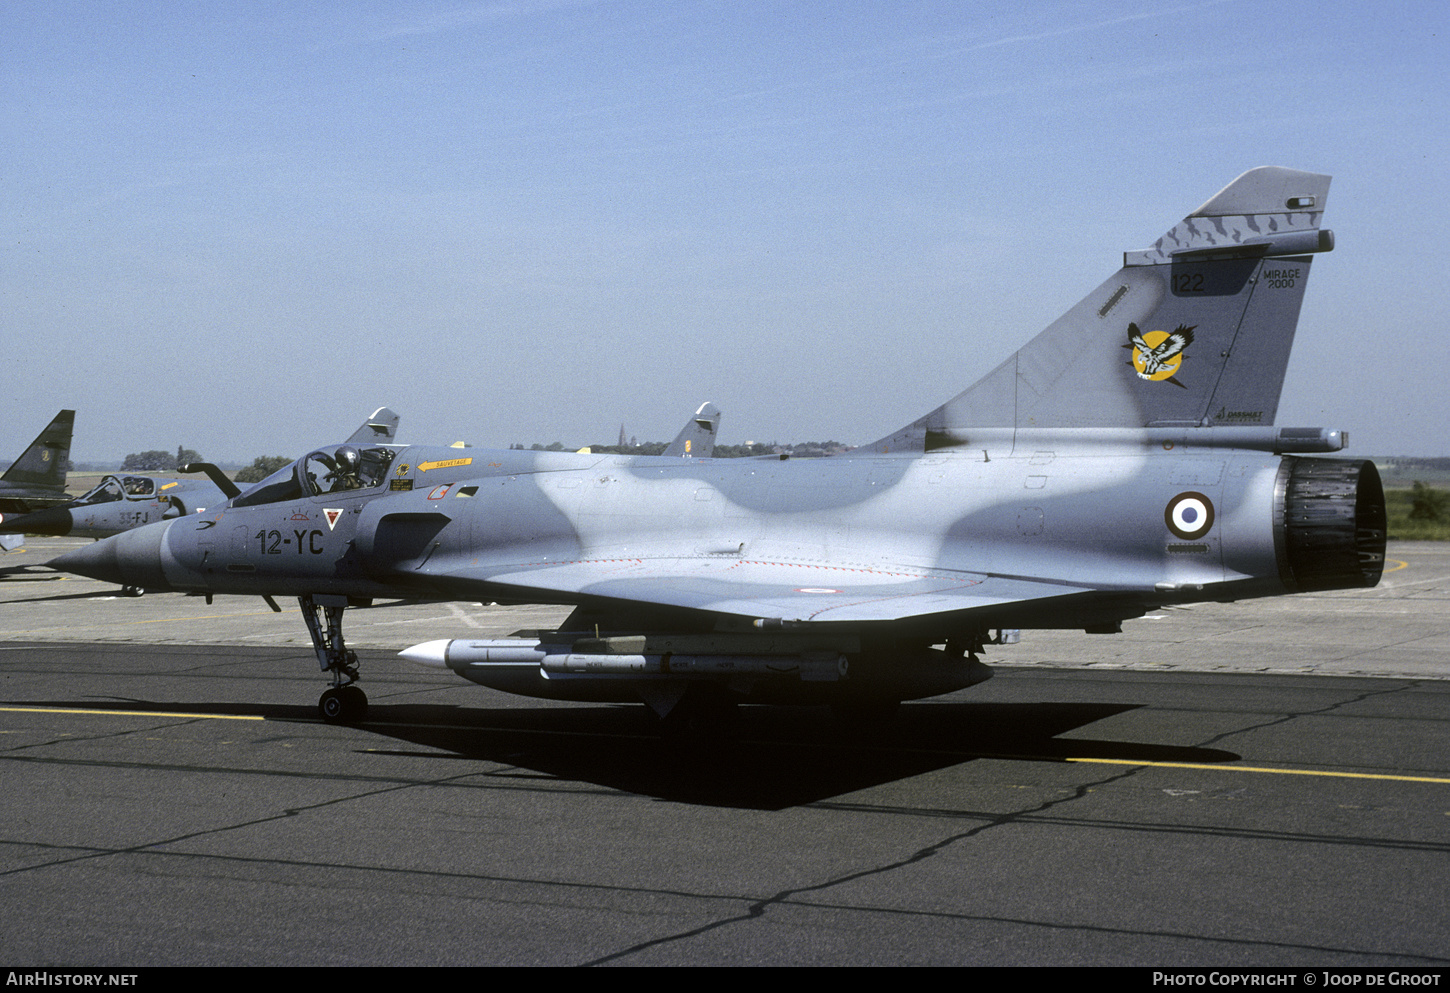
{"points": [[434, 653]]}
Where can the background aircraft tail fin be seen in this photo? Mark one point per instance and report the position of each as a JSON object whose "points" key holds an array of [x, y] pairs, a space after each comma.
{"points": [[697, 438], [381, 427], [44, 462], [1194, 331]]}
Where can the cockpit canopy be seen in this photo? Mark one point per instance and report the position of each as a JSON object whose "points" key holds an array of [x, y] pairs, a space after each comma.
{"points": [[336, 469], [119, 488]]}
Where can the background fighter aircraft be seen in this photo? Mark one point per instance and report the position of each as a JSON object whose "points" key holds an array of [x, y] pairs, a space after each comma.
{"points": [[120, 503], [1072, 487], [37, 478], [696, 439], [116, 504]]}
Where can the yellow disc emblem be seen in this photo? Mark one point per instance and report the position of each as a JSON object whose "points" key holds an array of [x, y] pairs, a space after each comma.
{"points": [[1158, 355], [1161, 370]]}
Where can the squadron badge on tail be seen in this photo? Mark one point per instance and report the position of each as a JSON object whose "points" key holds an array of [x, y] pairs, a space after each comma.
{"points": [[1158, 355]]}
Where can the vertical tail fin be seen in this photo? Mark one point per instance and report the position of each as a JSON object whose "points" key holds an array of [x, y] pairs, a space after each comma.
{"points": [[44, 462], [1194, 331], [697, 438]]}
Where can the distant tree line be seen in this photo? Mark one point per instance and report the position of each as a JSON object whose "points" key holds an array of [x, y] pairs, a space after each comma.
{"points": [[261, 467], [156, 460], [1428, 504], [1408, 463], [159, 461]]}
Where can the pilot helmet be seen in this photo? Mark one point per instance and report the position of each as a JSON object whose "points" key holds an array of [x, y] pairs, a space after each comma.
{"points": [[348, 459]]}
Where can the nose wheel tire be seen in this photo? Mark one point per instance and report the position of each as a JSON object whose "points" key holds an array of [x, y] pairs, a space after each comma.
{"points": [[343, 705]]}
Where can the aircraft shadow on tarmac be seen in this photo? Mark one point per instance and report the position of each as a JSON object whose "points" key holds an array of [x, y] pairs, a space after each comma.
{"points": [[30, 573], [58, 597], [771, 759]]}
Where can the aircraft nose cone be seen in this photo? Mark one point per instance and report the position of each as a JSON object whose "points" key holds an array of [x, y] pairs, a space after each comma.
{"points": [[52, 520], [132, 558]]}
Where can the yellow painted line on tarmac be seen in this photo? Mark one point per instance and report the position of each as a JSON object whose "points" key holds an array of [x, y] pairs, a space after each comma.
{"points": [[128, 713], [1399, 564], [1273, 772]]}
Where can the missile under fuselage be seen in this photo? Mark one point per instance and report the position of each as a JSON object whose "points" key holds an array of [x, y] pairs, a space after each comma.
{"points": [[561, 671]]}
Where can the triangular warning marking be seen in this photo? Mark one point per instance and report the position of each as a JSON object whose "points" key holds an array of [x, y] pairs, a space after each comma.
{"points": [[332, 516]]}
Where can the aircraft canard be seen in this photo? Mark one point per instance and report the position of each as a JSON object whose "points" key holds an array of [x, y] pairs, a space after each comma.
{"points": [[1068, 488], [37, 478]]}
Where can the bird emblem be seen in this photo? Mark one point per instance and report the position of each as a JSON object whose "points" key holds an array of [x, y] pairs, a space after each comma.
{"points": [[1158, 355]]}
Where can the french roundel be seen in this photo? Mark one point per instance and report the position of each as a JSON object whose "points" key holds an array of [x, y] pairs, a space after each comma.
{"points": [[1189, 515]]}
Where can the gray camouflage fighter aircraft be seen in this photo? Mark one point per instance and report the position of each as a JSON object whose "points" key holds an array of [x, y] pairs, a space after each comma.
{"points": [[116, 504], [120, 503], [1123, 460], [37, 478]]}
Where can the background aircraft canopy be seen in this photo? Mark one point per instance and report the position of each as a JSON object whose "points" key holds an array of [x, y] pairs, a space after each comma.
{"points": [[118, 488]]}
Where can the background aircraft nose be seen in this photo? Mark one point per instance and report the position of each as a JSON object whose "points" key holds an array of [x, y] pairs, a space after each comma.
{"points": [[51, 520], [129, 559]]}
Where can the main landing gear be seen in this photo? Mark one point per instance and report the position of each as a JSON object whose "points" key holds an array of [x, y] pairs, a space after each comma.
{"points": [[344, 703]]}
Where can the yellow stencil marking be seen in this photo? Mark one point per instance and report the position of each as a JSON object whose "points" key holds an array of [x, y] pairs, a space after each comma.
{"points": [[446, 463]]}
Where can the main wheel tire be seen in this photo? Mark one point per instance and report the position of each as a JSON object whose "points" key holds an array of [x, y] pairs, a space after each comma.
{"points": [[343, 705], [357, 703], [332, 706]]}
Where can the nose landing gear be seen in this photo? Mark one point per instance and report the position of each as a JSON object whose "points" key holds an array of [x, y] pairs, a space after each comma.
{"points": [[344, 703]]}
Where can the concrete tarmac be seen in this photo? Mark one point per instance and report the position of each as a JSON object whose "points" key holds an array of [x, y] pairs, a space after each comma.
{"points": [[1265, 783]]}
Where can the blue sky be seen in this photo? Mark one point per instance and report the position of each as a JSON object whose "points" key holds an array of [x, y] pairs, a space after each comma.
{"points": [[240, 227]]}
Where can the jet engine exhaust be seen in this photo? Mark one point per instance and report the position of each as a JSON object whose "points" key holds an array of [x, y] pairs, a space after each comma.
{"points": [[1334, 524]]}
